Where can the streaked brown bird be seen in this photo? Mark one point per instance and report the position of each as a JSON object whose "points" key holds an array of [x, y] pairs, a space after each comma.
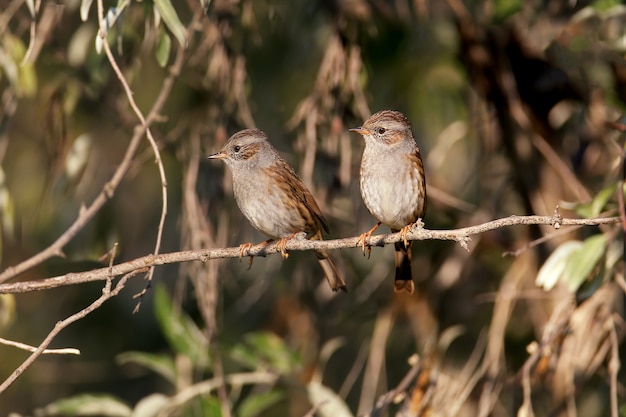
{"points": [[272, 197], [393, 185]]}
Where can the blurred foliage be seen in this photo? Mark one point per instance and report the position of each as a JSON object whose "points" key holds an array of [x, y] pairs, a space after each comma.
{"points": [[517, 107]]}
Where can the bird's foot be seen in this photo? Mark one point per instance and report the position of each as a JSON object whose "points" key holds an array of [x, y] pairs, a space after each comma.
{"points": [[363, 240]]}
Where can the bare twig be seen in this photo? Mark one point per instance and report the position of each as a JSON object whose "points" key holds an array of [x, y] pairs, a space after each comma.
{"points": [[614, 364], [461, 235], [470, 375], [494, 354], [384, 400], [107, 293], [542, 239], [7, 13], [560, 321], [210, 385], [39, 31], [142, 119], [86, 213], [620, 204], [619, 280], [218, 369], [33, 31], [313, 410], [24, 346], [354, 372], [375, 367]]}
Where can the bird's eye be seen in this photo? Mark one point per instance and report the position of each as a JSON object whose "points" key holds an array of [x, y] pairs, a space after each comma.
{"points": [[381, 130], [237, 148]]}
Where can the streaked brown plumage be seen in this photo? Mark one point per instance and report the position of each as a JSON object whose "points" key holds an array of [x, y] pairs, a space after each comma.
{"points": [[392, 182], [272, 197]]}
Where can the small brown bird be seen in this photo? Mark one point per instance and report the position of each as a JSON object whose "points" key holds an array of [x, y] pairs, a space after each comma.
{"points": [[393, 186], [272, 197]]}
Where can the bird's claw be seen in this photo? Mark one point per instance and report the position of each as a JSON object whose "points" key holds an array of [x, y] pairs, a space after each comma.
{"points": [[242, 249], [363, 242], [405, 231], [281, 244], [419, 224], [364, 238]]}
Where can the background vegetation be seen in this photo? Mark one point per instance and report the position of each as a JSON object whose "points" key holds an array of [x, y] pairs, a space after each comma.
{"points": [[517, 107]]}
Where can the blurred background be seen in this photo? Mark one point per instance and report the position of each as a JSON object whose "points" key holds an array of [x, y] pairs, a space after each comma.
{"points": [[517, 108]]}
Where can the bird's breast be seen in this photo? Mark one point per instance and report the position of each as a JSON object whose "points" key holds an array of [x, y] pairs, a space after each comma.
{"points": [[392, 190]]}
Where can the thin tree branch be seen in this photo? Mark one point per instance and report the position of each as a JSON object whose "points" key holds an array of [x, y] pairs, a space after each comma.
{"points": [[299, 243], [24, 346], [142, 119], [384, 400], [205, 387], [86, 213], [107, 293], [613, 365], [542, 239], [560, 319]]}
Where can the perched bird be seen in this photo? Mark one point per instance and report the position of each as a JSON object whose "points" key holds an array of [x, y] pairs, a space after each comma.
{"points": [[392, 182], [272, 197]]}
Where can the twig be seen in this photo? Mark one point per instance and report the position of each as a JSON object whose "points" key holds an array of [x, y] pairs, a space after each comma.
{"points": [[210, 385], [543, 239], [384, 400], [7, 13], [375, 366], [313, 410], [86, 213], [218, 369], [562, 316], [24, 346], [494, 353], [620, 203], [620, 192], [461, 235], [142, 119], [107, 293], [33, 31], [619, 280], [613, 366], [354, 372], [471, 374]]}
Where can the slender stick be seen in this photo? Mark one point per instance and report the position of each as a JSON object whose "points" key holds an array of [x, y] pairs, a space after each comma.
{"points": [[299, 243]]}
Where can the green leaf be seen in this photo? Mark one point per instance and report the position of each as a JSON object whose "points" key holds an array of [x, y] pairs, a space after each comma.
{"points": [[595, 207], [255, 404], [614, 252], [582, 262], [20, 74], [266, 350], [101, 405], [605, 5], [206, 406], [329, 403], [7, 310], [164, 45], [552, 269], [506, 8], [160, 364], [173, 23], [180, 330]]}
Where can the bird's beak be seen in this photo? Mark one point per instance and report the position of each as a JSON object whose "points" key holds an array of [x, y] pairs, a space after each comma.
{"points": [[219, 155], [361, 130]]}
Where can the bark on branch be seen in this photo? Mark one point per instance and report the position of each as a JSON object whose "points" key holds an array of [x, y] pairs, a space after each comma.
{"points": [[463, 236]]}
